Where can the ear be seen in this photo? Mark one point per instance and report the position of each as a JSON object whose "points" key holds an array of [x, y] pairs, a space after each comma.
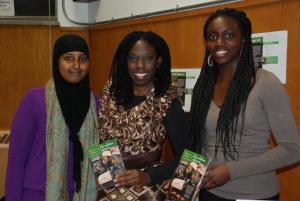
{"points": [[159, 60], [243, 44]]}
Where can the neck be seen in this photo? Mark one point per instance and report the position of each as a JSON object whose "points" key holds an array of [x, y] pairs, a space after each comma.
{"points": [[225, 74], [141, 91]]}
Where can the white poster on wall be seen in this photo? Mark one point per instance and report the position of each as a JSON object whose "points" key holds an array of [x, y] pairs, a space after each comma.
{"points": [[186, 79], [7, 8], [270, 52]]}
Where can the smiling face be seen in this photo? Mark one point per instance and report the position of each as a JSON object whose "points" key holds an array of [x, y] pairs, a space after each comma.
{"points": [[224, 41], [142, 63], [73, 66]]}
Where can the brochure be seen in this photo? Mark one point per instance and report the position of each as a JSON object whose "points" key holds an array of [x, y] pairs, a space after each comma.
{"points": [[188, 176], [106, 161]]}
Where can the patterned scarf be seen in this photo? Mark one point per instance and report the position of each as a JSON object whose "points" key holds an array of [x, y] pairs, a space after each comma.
{"points": [[57, 141]]}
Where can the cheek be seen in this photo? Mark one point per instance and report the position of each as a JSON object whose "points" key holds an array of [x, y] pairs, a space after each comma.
{"points": [[236, 47], [238, 44], [152, 68], [62, 68], [209, 47], [85, 68], [130, 68]]}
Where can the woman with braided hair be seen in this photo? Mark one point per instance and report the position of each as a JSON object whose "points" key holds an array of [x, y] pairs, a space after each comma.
{"points": [[140, 108], [52, 130], [235, 106]]}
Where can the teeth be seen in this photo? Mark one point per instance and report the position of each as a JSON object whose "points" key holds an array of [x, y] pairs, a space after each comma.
{"points": [[140, 75], [221, 52], [75, 73]]}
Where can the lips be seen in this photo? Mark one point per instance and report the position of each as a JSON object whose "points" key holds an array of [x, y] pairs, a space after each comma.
{"points": [[221, 53], [75, 73], [140, 75]]}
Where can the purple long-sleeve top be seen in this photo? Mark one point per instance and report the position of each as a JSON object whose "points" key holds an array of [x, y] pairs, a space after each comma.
{"points": [[26, 169]]}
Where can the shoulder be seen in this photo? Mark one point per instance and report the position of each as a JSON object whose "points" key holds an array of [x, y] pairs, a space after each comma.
{"points": [[268, 86], [97, 100], [176, 104], [264, 77], [175, 108], [105, 95], [35, 94], [96, 96], [33, 101]]}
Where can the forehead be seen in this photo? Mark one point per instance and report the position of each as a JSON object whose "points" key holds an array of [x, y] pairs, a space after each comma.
{"points": [[74, 53], [223, 23], [142, 46]]}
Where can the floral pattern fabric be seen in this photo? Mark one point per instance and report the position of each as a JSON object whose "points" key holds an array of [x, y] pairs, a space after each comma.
{"points": [[138, 129]]}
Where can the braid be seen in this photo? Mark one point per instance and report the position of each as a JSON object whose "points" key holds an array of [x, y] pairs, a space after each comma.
{"points": [[236, 98], [202, 95]]}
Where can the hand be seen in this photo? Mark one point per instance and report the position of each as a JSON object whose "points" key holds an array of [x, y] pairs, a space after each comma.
{"points": [[216, 176], [167, 184], [132, 178]]}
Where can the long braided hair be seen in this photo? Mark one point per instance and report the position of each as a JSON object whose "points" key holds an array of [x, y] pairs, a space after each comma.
{"points": [[235, 100], [121, 88]]}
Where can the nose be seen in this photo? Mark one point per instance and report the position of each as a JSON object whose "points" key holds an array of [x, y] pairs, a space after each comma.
{"points": [[140, 62], [220, 41], [76, 64]]}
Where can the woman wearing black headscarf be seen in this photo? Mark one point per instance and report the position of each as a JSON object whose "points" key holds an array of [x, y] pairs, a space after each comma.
{"points": [[52, 130]]}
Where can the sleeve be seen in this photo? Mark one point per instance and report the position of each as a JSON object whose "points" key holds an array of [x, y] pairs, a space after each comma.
{"points": [[176, 126], [21, 138], [97, 101], [282, 124]]}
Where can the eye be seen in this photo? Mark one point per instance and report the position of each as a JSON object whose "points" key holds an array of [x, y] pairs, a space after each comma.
{"points": [[212, 37], [148, 58], [132, 58], [84, 58], [229, 35], [69, 58]]}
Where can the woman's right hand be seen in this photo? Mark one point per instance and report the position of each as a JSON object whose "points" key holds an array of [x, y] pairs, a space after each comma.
{"points": [[132, 178], [216, 176]]}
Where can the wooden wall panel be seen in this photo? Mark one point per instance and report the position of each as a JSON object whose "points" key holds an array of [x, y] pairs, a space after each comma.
{"points": [[25, 63], [183, 33]]}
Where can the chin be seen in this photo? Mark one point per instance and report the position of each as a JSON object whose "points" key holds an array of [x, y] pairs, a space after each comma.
{"points": [[74, 81], [140, 84]]}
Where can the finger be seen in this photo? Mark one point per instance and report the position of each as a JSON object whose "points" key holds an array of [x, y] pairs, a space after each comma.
{"points": [[210, 184], [208, 172], [209, 181], [126, 181], [125, 173], [129, 178], [167, 185]]}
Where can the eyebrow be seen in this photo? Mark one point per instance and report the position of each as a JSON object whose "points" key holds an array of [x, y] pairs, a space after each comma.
{"points": [[147, 53]]}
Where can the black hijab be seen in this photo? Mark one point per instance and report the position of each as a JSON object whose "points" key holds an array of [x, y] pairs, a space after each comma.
{"points": [[74, 99]]}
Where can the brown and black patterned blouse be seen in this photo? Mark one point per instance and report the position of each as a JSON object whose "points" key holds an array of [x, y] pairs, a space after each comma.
{"points": [[142, 128]]}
